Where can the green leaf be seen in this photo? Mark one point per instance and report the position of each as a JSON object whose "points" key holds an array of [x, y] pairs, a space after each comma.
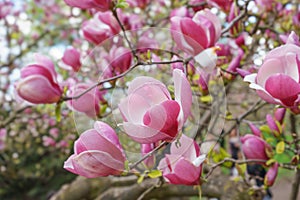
{"points": [[122, 4], [58, 112], [126, 163], [206, 99], [229, 115], [280, 147], [265, 128], [140, 179], [271, 161], [155, 174], [171, 88], [241, 169], [149, 54]]}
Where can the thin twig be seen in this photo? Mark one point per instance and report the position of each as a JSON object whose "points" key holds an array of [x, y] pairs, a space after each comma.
{"points": [[148, 154]]}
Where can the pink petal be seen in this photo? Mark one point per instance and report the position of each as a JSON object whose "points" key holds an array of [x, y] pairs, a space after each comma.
{"points": [[37, 89], [270, 67], [143, 134], [187, 148], [93, 140], [163, 117], [149, 88], [80, 4], [106, 131], [93, 164], [267, 97], [183, 95], [194, 35], [46, 62], [215, 20], [81, 105], [184, 172], [178, 37], [256, 131], [283, 87], [134, 107]]}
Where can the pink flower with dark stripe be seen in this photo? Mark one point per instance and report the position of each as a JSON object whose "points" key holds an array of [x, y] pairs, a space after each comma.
{"points": [[184, 164], [97, 152], [193, 35], [278, 79], [149, 112], [38, 82]]}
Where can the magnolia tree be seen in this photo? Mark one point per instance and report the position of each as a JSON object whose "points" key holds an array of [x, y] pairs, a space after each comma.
{"points": [[169, 98]]}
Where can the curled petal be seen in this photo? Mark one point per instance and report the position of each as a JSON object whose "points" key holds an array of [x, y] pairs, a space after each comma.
{"points": [[144, 134], [183, 95], [283, 87]]}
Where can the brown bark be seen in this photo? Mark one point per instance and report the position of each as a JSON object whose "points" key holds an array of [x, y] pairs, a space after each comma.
{"points": [[126, 188]]}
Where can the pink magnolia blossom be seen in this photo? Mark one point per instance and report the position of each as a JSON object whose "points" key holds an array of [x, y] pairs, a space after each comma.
{"points": [[150, 114], [292, 38], [6, 8], [296, 18], [71, 57], [38, 82], [277, 80], [274, 125], [119, 59], [255, 148], [97, 152], [271, 175], [88, 103], [224, 5], [101, 5], [255, 130], [193, 35], [279, 114], [184, 163], [101, 27], [197, 5]]}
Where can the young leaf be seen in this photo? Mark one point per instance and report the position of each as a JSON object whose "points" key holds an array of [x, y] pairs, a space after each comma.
{"points": [[155, 174], [141, 178], [280, 147]]}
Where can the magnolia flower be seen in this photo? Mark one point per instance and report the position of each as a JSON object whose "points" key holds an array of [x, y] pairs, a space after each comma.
{"points": [[225, 5], [255, 148], [274, 126], [97, 152], [150, 114], [101, 27], [101, 5], [279, 114], [89, 103], [255, 130], [193, 35], [71, 58], [119, 59], [38, 82], [271, 175], [184, 163], [278, 79]]}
